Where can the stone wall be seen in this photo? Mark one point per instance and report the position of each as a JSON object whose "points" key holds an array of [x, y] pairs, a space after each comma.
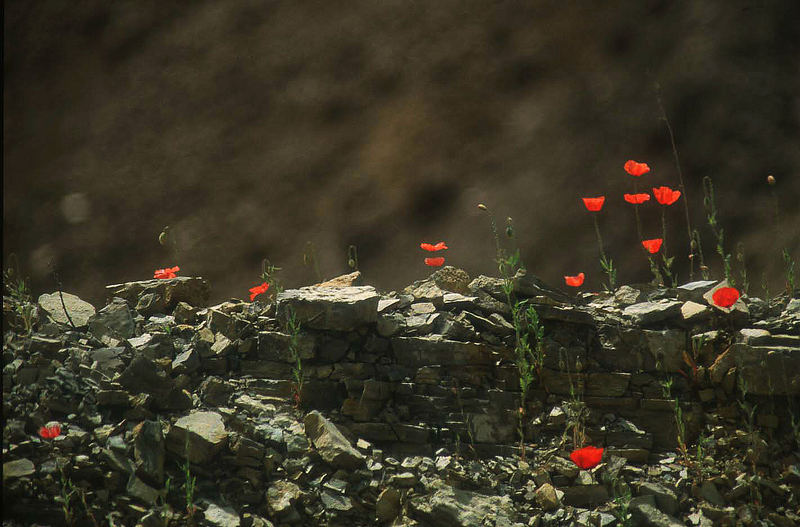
{"points": [[435, 363]]}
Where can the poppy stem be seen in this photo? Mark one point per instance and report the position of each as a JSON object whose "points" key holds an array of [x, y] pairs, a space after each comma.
{"points": [[680, 179], [664, 230], [636, 211], [599, 238]]}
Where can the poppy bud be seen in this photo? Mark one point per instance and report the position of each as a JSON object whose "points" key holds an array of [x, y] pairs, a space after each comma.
{"points": [[704, 268], [482, 206], [509, 227], [771, 179], [162, 238], [694, 244], [351, 263]]}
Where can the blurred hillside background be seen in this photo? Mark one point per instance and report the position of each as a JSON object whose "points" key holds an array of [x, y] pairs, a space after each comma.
{"points": [[256, 128]]}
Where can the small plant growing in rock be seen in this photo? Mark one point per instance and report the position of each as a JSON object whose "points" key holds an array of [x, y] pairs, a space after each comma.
{"points": [[606, 264], [293, 329], [529, 357], [711, 211], [16, 287]]}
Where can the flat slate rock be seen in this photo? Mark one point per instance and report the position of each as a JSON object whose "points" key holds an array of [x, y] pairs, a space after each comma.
{"points": [[334, 308], [79, 310]]}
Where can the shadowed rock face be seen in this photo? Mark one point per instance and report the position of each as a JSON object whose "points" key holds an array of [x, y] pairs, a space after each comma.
{"points": [[252, 128]]}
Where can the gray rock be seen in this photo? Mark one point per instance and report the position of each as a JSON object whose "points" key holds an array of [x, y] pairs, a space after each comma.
{"points": [[187, 362], [547, 498], [205, 433], [666, 499], [273, 345], [645, 313], [422, 351], [141, 490], [585, 495], [694, 291], [114, 321], [644, 512], [19, 468], [221, 516], [450, 507], [143, 375], [335, 501], [694, 312], [281, 495], [341, 309], [709, 492], [192, 290], [387, 507], [79, 310], [626, 295], [666, 348], [149, 452], [331, 444]]}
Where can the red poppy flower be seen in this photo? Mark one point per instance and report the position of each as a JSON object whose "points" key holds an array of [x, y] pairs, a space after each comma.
{"points": [[653, 245], [430, 247], [725, 296], [434, 262], [257, 290], [637, 199], [49, 432], [666, 196], [594, 204], [166, 273], [636, 169], [575, 281], [587, 457]]}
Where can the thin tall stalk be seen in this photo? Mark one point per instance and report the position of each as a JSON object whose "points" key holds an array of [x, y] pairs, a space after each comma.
{"points": [[680, 180]]}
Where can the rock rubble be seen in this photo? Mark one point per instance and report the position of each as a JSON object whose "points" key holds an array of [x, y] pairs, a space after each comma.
{"points": [[408, 410]]}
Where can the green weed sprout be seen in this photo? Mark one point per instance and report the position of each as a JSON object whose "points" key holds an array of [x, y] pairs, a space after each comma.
{"points": [[293, 328], [529, 357], [711, 211]]}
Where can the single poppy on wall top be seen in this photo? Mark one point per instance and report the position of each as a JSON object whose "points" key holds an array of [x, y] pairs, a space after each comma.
{"points": [[594, 204], [653, 245], [430, 247], [637, 199], [575, 281], [49, 432], [636, 169], [666, 196], [587, 457], [168, 272], [257, 290], [725, 296], [434, 262]]}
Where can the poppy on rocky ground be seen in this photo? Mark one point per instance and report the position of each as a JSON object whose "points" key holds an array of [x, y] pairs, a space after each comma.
{"points": [[653, 245], [587, 457], [434, 262], [594, 204], [666, 196], [49, 432], [430, 247], [636, 169], [725, 296], [168, 272], [637, 199], [257, 290], [575, 281]]}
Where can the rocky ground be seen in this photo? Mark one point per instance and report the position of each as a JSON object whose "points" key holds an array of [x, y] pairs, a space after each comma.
{"points": [[176, 413]]}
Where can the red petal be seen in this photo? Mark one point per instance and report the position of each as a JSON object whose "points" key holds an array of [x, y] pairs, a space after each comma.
{"points": [[430, 247], [636, 169], [653, 245], [575, 281], [427, 246], [636, 199], [594, 204], [725, 296], [587, 457], [434, 262]]}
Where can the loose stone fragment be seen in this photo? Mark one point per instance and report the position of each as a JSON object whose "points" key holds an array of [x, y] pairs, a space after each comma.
{"points": [[79, 310], [332, 446]]}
